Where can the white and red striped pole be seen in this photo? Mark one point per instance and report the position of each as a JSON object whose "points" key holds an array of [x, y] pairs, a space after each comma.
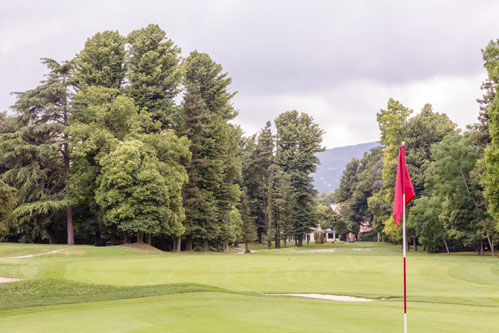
{"points": [[404, 192], [404, 245], [405, 280]]}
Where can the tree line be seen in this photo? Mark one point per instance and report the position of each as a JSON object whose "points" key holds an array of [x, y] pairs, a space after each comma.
{"points": [[455, 175], [103, 151]]}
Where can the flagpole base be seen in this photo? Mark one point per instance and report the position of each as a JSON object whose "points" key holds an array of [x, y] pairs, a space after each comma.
{"points": [[405, 322]]}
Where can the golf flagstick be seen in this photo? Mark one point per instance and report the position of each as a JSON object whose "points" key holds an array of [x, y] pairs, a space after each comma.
{"points": [[405, 280], [404, 193]]}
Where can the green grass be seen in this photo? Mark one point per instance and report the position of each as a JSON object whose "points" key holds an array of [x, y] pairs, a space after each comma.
{"points": [[51, 292], [221, 312], [117, 289]]}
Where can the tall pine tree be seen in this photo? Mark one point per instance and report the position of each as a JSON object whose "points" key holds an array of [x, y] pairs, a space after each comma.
{"points": [[298, 141], [101, 62], [37, 154], [214, 168], [154, 74]]}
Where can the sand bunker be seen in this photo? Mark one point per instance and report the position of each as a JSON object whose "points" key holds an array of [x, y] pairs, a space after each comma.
{"points": [[36, 254], [312, 251], [283, 250], [319, 251], [6, 279], [361, 249], [327, 297]]}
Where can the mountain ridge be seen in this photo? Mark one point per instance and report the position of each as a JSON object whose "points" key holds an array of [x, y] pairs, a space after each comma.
{"points": [[333, 161]]}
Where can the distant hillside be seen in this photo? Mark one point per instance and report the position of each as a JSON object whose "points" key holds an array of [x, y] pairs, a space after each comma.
{"points": [[333, 161]]}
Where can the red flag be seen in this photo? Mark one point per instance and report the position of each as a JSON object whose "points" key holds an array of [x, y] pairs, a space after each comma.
{"points": [[402, 185]]}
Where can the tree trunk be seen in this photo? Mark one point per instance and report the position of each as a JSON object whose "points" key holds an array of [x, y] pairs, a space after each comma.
{"points": [[378, 237], [188, 243], [491, 244], [70, 226], [65, 154], [179, 242], [52, 237], [247, 250], [125, 237], [285, 241], [149, 239], [97, 241], [69, 210], [260, 237], [113, 239], [446, 246], [414, 244], [308, 239], [206, 247], [277, 241], [226, 242], [300, 241], [140, 237], [265, 217], [481, 247]]}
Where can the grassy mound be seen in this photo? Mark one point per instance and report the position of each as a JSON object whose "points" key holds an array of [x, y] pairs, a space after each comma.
{"points": [[56, 291]]}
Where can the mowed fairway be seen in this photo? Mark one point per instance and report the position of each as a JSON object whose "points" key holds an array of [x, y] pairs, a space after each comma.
{"points": [[90, 289]]}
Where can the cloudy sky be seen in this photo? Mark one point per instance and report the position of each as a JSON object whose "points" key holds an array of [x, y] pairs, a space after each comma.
{"points": [[339, 61]]}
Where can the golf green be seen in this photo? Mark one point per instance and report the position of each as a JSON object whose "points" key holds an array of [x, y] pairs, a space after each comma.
{"points": [[119, 289]]}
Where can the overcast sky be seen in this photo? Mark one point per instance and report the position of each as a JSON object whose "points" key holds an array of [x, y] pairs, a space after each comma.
{"points": [[339, 61]]}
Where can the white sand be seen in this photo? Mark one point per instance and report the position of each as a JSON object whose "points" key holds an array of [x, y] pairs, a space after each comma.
{"points": [[319, 251], [328, 297], [6, 279], [289, 251], [36, 254], [311, 251]]}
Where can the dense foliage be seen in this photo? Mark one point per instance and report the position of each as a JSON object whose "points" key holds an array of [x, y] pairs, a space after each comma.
{"points": [[104, 151], [454, 176]]}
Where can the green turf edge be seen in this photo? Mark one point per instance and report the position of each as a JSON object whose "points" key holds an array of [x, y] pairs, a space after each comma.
{"points": [[43, 292]]}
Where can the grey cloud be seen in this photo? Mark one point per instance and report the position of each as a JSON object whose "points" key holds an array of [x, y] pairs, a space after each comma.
{"points": [[272, 49]]}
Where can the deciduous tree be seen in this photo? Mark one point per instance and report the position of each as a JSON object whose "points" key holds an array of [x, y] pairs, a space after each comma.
{"points": [[490, 179]]}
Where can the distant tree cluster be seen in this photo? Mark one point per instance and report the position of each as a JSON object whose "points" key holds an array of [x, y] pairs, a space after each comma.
{"points": [[455, 175], [102, 152], [277, 172]]}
